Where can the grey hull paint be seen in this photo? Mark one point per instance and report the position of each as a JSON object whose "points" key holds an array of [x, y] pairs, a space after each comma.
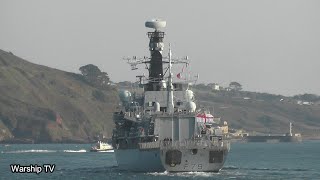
{"points": [[198, 162], [154, 161], [139, 161]]}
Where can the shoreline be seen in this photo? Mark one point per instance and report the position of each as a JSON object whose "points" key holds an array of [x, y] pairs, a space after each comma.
{"points": [[19, 141]]}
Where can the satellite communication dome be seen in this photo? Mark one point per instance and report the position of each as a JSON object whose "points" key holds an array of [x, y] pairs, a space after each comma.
{"points": [[189, 95], [191, 106], [156, 24]]}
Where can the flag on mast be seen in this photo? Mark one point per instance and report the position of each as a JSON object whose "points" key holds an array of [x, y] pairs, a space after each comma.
{"points": [[179, 75]]}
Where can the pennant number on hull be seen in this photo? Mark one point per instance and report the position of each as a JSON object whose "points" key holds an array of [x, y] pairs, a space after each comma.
{"points": [[192, 166]]}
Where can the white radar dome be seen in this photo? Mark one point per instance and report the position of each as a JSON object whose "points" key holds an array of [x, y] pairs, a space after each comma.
{"points": [[156, 24], [189, 95], [191, 106]]}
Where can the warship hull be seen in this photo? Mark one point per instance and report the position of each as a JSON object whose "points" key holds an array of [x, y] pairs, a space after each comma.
{"points": [[139, 161], [157, 160], [203, 160]]}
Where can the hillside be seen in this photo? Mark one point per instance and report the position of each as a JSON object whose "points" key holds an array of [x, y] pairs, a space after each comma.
{"points": [[42, 104], [262, 112], [256, 112]]}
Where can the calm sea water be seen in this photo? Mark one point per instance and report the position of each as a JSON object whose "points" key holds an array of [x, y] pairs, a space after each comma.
{"points": [[245, 161]]}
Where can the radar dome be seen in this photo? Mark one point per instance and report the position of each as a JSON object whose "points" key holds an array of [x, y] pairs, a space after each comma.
{"points": [[156, 24], [124, 95], [191, 106], [189, 95]]}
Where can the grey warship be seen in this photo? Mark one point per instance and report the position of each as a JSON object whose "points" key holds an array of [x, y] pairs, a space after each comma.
{"points": [[158, 127]]}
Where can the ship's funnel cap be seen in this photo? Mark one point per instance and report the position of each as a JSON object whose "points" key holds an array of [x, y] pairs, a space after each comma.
{"points": [[156, 24]]}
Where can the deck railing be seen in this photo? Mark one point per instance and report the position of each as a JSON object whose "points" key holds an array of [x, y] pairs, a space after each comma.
{"points": [[187, 144]]}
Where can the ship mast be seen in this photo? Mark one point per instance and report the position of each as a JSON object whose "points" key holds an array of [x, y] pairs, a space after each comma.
{"points": [[156, 46], [170, 105], [155, 62]]}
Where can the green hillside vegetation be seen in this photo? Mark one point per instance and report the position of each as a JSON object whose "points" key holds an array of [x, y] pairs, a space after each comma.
{"points": [[42, 104], [256, 112], [262, 112]]}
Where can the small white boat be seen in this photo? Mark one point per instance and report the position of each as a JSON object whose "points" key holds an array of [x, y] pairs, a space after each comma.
{"points": [[101, 147]]}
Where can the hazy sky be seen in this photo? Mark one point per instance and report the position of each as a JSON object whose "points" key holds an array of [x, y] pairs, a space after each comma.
{"points": [[268, 46]]}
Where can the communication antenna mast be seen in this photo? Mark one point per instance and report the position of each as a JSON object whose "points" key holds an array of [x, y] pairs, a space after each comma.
{"points": [[156, 61]]}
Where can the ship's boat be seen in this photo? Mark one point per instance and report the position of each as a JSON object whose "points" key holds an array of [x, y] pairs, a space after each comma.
{"points": [[101, 147], [158, 126]]}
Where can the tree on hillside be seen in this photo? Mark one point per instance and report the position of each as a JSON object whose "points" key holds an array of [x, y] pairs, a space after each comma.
{"points": [[235, 86], [202, 87], [307, 97], [94, 76]]}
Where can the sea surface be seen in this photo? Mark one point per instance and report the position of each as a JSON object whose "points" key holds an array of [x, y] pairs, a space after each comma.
{"points": [[245, 161]]}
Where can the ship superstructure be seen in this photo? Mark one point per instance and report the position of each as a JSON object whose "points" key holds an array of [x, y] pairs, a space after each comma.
{"points": [[161, 128]]}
